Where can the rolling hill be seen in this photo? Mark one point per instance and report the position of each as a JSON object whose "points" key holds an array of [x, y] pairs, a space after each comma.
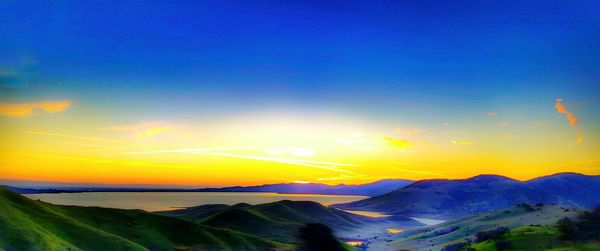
{"points": [[455, 198], [33, 225], [284, 216], [464, 230], [369, 189]]}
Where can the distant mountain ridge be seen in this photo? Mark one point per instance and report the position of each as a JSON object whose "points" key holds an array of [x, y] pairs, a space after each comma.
{"points": [[483, 193], [368, 189]]}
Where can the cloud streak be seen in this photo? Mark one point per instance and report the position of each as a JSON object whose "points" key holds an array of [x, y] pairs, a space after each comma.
{"points": [[461, 142], [141, 130], [25, 109], [98, 140], [560, 108], [409, 131], [331, 166], [579, 139], [399, 143]]}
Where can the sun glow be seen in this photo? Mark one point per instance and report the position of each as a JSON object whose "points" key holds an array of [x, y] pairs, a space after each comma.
{"points": [[266, 149]]}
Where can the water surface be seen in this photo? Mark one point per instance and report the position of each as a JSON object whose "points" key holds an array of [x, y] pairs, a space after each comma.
{"points": [[373, 214], [159, 201]]}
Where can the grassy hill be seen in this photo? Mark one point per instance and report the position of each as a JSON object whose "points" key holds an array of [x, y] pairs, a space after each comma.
{"points": [[33, 225], [534, 238], [285, 216], [465, 229]]}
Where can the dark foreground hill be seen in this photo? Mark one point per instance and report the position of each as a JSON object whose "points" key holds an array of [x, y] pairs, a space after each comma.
{"points": [[481, 194], [285, 217], [369, 189], [33, 225]]}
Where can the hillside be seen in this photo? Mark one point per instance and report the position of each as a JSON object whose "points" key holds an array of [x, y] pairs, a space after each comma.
{"points": [[535, 238], [455, 198], [465, 229], [285, 216], [26, 224], [570, 188], [369, 189]]}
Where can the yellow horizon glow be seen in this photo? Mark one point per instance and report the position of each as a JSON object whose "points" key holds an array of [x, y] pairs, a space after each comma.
{"points": [[275, 149]]}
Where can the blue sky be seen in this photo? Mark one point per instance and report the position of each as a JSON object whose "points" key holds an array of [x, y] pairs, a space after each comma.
{"points": [[414, 63]]}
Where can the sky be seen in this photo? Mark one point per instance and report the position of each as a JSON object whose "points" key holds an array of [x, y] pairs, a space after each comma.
{"points": [[217, 93]]}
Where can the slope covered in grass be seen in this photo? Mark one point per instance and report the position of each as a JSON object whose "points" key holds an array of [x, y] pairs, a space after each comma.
{"points": [[465, 229], [285, 216], [534, 238], [33, 225]]}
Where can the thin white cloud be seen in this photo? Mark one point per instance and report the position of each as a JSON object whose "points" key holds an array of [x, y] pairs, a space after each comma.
{"points": [[332, 166]]}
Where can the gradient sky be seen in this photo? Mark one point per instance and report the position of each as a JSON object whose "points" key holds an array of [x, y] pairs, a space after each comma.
{"points": [[237, 93]]}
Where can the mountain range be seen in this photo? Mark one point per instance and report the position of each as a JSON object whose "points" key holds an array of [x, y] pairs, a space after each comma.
{"points": [[368, 189], [453, 198]]}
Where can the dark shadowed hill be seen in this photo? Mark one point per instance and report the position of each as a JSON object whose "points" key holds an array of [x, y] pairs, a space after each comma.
{"points": [[33, 225], [570, 188], [482, 193], [284, 216], [369, 189]]}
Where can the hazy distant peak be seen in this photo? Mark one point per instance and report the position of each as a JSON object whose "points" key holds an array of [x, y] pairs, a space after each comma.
{"points": [[568, 175], [489, 178]]}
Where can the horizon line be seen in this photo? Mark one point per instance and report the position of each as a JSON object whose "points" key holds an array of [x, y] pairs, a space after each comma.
{"points": [[23, 183]]}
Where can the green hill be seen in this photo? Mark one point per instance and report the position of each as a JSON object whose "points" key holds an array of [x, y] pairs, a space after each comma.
{"points": [[534, 238], [284, 216], [33, 225], [464, 230]]}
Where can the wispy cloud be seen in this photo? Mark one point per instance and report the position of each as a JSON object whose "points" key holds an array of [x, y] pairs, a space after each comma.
{"points": [[560, 108], [579, 139], [462, 142], [100, 161], [490, 113], [109, 142], [294, 151], [27, 108], [133, 127], [589, 163], [149, 133], [508, 137], [141, 130], [415, 171], [400, 143], [332, 166], [406, 131]]}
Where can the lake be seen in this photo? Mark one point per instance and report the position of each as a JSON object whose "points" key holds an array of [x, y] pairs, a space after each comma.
{"points": [[159, 201]]}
